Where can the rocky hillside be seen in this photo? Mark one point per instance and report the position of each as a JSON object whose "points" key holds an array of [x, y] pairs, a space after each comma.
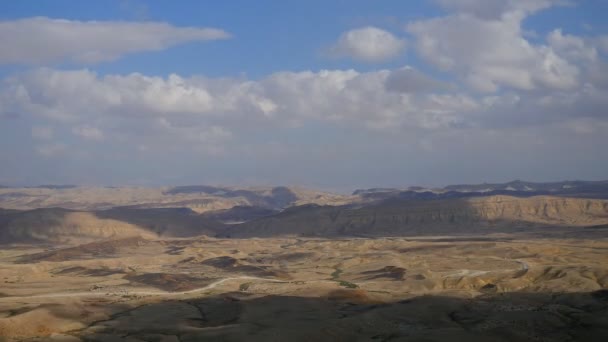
{"points": [[409, 217], [391, 217]]}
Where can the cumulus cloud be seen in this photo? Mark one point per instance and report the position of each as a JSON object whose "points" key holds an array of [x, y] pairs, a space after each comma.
{"points": [[81, 97], [42, 40], [368, 44], [208, 111], [572, 47], [491, 53]]}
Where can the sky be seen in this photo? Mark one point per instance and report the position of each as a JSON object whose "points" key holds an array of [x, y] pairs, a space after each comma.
{"points": [[328, 94]]}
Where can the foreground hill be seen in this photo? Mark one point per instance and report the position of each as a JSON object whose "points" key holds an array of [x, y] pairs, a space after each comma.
{"points": [[500, 288], [410, 217]]}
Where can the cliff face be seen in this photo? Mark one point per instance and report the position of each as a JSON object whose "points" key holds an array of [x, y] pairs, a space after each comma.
{"points": [[389, 218], [543, 209], [431, 217]]}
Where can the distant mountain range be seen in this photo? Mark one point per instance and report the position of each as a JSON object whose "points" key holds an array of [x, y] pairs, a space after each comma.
{"points": [[49, 186], [53, 214], [200, 198]]}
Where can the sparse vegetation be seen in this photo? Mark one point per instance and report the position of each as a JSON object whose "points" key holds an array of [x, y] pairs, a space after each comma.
{"points": [[244, 287], [348, 284], [335, 276]]}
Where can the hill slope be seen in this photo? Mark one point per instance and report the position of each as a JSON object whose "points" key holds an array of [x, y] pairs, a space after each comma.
{"points": [[198, 198], [407, 217], [56, 225], [391, 217]]}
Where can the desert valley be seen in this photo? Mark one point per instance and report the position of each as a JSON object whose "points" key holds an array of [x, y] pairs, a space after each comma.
{"points": [[493, 262]]}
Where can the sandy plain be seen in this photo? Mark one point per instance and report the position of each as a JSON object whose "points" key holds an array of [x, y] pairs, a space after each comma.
{"points": [[503, 287]]}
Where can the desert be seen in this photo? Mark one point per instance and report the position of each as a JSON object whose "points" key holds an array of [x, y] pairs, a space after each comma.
{"points": [[494, 267]]}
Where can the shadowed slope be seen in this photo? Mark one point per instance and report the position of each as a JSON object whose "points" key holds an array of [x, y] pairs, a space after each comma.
{"points": [[402, 217], [56, 225], [165, 222], [353, 315], [387, 218]]}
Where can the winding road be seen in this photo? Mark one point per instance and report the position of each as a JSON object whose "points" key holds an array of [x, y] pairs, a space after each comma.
{"points": [[118, 292], [141, 293]]}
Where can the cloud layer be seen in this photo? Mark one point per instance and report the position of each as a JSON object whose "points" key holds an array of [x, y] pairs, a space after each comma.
{"points": [[42, 40], [481, 98]]}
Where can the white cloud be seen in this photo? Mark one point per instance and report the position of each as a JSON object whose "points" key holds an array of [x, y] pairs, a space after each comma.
{"points": [[368, 44], [208, 116], [42, 40], [494, 9], [572, 47], [88, 132], [490, 53], [42, 132], [602, 42], [290, 98]]}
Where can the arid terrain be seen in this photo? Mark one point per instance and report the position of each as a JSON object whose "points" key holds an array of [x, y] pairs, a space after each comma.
{"points": [[277, 289], [471, 268], [304, 171]]}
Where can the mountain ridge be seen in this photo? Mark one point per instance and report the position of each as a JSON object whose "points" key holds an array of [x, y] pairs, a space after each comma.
{"points": [[443, 216]]}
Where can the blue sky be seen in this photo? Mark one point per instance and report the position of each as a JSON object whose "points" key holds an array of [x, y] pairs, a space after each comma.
{"points": [[273, 35], [338, 94], [268, 35]]}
